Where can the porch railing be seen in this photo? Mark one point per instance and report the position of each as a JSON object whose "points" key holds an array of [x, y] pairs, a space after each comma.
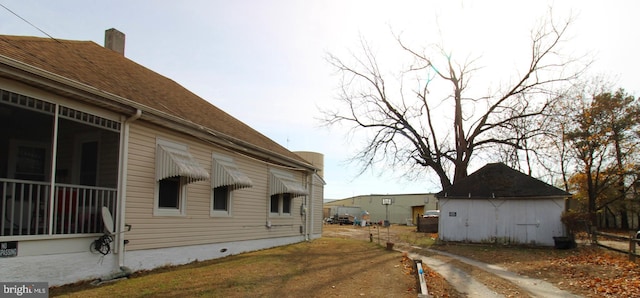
{"points": [[26, 208]]}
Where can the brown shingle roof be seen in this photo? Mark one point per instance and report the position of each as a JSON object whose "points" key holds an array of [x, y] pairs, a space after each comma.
{"points": [[88, 63], [500, 181]]}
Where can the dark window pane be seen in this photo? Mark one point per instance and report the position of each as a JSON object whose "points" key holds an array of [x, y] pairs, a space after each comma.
{"points": [[169, 193], [275, 199], [221, 198], [286, 203]]}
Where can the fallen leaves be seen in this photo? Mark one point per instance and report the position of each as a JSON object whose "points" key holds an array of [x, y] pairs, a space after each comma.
{"points": [[601, 273], [587, 271]]}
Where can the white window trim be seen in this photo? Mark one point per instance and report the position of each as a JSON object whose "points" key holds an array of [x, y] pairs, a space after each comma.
{"points": [[222, 213], [181, 211]]}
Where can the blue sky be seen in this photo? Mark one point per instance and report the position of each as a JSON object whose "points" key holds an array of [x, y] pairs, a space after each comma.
{"points": [[264, 61]]}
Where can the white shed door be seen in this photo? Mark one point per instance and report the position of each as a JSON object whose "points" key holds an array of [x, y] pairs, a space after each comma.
{"points": [[526, 222], [454, 224]]}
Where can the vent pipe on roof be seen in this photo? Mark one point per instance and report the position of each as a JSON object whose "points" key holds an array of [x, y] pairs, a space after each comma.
{"points": [[114, 40]]}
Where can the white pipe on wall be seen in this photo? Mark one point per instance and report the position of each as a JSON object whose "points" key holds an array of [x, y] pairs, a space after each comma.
{"points": [[122, 185]]}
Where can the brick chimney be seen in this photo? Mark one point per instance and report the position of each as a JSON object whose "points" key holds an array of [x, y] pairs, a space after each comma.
{"points": [[114, 40]]}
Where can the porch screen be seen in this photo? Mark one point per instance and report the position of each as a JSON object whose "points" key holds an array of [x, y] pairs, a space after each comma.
{"points": [[282, 182], [226, 173], [175, 162]]}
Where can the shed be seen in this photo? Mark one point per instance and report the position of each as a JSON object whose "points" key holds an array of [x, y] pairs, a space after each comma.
{"points": [[498, 204]]}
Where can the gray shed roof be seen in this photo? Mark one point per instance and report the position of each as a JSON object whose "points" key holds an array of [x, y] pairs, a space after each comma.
{"points": [[497, 180]]}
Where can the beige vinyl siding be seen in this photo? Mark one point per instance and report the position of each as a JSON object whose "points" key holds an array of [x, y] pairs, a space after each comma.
{"points": [[249, 213], [284, 225], [318, 198]]}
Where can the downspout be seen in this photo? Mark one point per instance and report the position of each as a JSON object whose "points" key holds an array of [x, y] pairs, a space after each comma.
{"points": [[122, 191]]}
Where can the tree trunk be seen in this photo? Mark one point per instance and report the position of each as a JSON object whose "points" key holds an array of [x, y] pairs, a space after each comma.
{"points": [[592, 196], [624, 218]]}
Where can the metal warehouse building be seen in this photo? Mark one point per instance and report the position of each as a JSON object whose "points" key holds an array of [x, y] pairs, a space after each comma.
{"points": [[404, 208]]}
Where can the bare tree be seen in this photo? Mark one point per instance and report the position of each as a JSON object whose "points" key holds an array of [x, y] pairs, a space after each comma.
{"points": [[410, 128]]}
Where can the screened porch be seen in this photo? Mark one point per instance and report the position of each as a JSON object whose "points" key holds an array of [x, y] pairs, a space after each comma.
{"points": [[58, 167]]}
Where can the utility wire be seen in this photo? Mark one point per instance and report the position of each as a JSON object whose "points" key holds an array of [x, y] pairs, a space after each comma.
{"points": [[48, 35], [25, 20]]}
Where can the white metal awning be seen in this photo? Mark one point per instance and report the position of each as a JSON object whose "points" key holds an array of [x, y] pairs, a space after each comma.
{"points": [[282, 182], [226, 173], [175, 162]]}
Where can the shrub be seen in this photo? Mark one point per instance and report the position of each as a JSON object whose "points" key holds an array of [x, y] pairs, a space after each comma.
{"points": [[576, 221]]}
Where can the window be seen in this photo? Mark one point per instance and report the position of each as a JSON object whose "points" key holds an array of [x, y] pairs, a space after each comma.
{"points": [[280, 204], [283, 187], [275, 203], [175, 169], [286, 203], [221, 200], [169, 193], [226, 178], [29, 160]]}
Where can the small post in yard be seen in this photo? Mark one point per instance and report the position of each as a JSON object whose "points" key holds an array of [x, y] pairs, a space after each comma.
{"points": [[386, 202], [421, 281]]}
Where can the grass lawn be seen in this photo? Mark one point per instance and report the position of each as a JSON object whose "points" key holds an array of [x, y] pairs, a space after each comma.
{"points": [[326, 266]]}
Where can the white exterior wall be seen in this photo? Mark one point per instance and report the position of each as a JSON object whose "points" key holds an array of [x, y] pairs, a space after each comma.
{"points": [[153, 258], [315, 210], [526, 221], [57, 261]]}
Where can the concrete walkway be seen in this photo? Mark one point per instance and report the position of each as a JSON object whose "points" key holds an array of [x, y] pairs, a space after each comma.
{"points": [[464, 283], [459, 279]]}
